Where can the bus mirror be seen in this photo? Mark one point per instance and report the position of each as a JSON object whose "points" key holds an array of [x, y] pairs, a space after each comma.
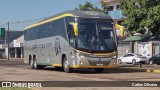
{"points": [[121, 28], [75, 27]]}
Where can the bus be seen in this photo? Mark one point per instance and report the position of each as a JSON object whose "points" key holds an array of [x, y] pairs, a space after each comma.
{"points": [[72, 40]]}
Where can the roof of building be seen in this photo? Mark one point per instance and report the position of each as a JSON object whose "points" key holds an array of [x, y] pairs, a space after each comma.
{"points": [[133, 38], [143, 38], [150, 38], [12, 35]]}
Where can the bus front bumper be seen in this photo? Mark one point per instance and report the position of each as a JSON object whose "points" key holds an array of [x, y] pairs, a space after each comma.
{"points": [[94, 64]]}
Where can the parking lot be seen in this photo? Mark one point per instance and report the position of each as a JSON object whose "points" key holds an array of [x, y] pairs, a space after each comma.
{"points": [[146, 67], [16, 70]]}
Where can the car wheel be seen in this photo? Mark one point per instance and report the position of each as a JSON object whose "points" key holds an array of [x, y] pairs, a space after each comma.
{"points": [[158, 63], [119, 61], [133, 61], [99, 70], [66, 66], [151, 62]]}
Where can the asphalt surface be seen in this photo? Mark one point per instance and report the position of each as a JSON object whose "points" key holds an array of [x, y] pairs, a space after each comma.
{"points": [[17, 70]]}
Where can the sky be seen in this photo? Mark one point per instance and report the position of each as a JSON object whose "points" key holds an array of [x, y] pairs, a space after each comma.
{"points": [[14, 11]]}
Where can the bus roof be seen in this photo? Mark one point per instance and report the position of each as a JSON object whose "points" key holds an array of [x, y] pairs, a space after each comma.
{"points": [[79, 14], [85, 14]]}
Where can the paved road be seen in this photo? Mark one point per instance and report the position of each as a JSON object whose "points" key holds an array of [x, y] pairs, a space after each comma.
{"points": [[16, 70]]}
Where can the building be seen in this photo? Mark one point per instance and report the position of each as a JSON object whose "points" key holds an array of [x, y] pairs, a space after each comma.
{"points": [[15, 45], [116, 13], [114, 10], [146, 45]]}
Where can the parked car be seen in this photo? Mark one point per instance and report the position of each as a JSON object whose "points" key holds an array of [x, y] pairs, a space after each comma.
{"points": [[155, 59], [132, 58]]}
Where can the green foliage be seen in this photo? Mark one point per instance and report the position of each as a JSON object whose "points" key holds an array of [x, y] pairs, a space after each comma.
{"points": [[90, 7], [140, 14], [105, 7]]}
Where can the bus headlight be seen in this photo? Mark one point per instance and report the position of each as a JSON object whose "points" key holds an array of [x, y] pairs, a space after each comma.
{"points": [[81, 56]]}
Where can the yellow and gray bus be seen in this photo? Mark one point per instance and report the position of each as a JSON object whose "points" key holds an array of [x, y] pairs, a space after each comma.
{"points": [[70, 40]]}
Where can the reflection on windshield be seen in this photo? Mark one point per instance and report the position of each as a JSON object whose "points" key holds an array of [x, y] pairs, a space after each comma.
{"points": [[96, 36], [138, 54]]}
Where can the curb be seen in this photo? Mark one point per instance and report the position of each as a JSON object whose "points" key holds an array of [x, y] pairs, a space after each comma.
{"points": [[132, 69], [151, 70], [139, 69]]}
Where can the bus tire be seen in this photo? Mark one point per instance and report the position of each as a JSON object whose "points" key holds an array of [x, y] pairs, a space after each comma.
{"points": [[31, 64], [99, 70], [58, 68], [66, 67], [35, 66]]}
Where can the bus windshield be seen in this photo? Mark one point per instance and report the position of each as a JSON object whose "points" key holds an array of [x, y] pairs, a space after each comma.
{"points": [[96, 36]]}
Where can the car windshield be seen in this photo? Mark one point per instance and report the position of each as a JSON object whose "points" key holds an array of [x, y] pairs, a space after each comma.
{"points": [[96, 36], [158, 55], [138, 54]]}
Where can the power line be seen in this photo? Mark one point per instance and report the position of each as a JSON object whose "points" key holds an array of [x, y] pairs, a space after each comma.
{"points": [[25, 21], [34, 20]]}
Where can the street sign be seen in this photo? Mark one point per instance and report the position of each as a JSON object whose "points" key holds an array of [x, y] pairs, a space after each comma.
{"points": [[2, 31], [16, 43]]}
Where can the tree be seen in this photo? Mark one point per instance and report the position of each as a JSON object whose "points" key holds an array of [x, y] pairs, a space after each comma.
{"points": [[90, 7], [141, 15]]}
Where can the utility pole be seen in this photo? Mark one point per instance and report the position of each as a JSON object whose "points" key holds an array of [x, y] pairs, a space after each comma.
{"points": [[8, 41]]}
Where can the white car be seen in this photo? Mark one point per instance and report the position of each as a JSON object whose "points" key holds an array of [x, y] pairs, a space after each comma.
{"points": [[132, 58]]}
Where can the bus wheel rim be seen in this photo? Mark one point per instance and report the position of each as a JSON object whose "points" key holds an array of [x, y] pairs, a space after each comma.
{"points": [[65, 64], [35, 64], [31, 63]]}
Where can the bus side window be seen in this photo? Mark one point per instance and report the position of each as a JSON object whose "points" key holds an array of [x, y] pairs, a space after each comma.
{"points": [[71, 36], [25, 32]]}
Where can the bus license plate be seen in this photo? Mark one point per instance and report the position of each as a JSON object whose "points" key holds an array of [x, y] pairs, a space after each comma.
{"points": [[99, 64]]}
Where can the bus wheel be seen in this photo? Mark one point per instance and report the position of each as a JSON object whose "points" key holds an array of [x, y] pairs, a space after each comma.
{"points": [[66, 67], [31, 63], [99, 70], [35, 66], [58, 68]]}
